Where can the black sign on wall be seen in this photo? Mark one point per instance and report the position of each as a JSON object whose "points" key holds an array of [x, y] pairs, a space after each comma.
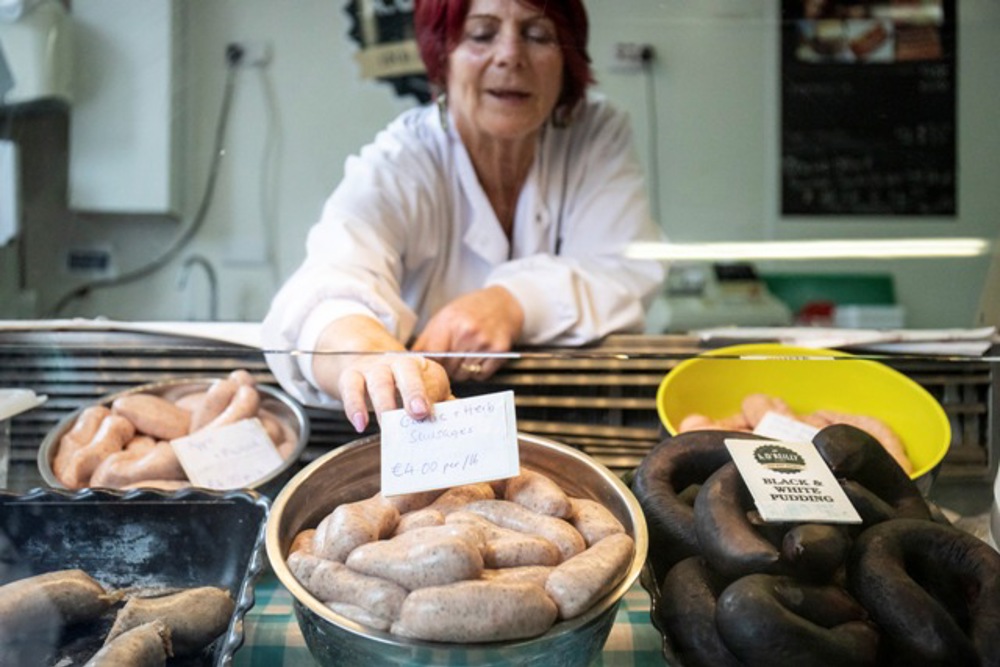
{"points": [[868, 110]]}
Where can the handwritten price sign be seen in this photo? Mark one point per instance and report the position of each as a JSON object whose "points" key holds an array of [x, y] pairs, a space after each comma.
{"points": [[227, 457], [467, 440]]}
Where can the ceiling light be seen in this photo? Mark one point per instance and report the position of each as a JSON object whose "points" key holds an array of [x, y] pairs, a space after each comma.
{"points": [[811, 250]]}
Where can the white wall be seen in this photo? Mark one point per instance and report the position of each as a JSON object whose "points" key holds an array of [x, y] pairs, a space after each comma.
{"points": [[294, 122]]}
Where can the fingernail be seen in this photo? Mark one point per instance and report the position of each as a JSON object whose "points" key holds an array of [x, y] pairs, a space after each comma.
{"points": [[359, 421], [418, 406]]}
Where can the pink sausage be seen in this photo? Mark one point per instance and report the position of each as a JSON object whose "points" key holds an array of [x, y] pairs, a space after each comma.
{"points": [[538, 493]]}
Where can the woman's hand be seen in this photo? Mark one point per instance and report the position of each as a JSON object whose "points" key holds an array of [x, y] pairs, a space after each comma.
{"points": [[486, 320], [376, 377]]}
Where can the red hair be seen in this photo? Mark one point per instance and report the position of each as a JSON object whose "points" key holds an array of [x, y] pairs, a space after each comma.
{"points": [[438, 28]]}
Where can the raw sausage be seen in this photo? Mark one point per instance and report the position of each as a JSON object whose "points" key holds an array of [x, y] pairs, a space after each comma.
{"points": [[216, 399], [532, 574], [130, 466], [508, 548], [516, 517], [593, 520], [195, 617], [244, 405], [111, 437], [331, 581], [360, 615], [82, 432], [421, 518], [578, 583], [153, 415], [44, 603], [457, 497], [538, 493], [146, 645], [353, 524], [476, 611], [417, 564]]}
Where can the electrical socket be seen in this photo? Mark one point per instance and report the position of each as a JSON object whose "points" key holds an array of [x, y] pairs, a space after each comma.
{"points": [[632, 56], [248, 53], [93, 261]]}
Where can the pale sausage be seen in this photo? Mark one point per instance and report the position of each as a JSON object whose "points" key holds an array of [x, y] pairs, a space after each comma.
{"points": [[476, 611], [578, 583], [538, 493]]}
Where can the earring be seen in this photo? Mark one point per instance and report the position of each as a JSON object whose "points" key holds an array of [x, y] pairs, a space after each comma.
{"points": [[442, 105], [562, 117]]}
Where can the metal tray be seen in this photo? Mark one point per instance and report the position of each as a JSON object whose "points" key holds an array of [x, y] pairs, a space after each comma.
{"points": [[140, 539], [280, 404]]}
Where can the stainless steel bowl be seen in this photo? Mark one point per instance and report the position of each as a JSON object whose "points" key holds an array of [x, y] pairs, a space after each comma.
{"points": [[352, 472], [273, 400]]}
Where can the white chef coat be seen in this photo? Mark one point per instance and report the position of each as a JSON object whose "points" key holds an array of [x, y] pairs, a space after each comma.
{"points": [[410, 228]]}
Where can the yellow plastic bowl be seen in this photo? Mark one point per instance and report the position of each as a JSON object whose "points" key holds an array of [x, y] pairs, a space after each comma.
{"points": [[808, 379]]}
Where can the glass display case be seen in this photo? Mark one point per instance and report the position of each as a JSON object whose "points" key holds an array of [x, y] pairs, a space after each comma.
{"points": [[822, 173]]}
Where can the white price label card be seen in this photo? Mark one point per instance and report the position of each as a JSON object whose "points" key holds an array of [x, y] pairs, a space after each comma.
{"points": [[777, 426], [228, 457], [465, 441], [790, 482]]}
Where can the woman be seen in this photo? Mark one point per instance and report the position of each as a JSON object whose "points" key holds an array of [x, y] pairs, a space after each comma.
{"points": [[497, 217]]}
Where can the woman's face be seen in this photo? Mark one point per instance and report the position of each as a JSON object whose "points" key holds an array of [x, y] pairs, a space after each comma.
{"points": [[505, 74]]}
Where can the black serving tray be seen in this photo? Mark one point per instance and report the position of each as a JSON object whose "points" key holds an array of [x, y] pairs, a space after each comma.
{"points": [[144, 540]]}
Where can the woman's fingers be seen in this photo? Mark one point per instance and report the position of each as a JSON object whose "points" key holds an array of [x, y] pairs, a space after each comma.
{"points": [[379, 383], [409, 373], [354, 398]]}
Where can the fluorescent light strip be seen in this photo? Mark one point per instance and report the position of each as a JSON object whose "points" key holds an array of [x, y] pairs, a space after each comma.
{"points": [[799, 250]]}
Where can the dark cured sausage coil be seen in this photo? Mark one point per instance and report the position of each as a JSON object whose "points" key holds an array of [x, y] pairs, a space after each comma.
{"points": [[815, 551], [774, 621], [687, 614], [933, 589], [855, 455], [729, 542], [668, 470]]}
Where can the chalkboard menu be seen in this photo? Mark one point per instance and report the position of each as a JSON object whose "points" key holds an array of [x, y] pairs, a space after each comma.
{"points": [[868, 108]]}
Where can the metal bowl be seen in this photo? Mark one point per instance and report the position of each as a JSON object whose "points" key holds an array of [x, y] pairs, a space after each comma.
{"points": [[273, 400], [352, 472]]}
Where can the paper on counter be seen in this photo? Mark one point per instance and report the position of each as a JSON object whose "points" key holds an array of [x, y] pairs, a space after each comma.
{"points": [[15, 401], [964, 342], [240, 333]]}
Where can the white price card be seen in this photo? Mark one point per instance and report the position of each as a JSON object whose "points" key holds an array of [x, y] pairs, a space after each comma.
{"points": [[777, 426], [465, 441], [228, 457], [790, 481]]}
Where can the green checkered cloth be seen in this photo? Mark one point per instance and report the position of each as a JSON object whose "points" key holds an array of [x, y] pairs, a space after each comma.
{"points": [[273, 639]]}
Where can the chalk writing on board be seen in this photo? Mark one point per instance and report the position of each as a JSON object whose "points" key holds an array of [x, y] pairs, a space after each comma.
{"points": [[868, 109]]}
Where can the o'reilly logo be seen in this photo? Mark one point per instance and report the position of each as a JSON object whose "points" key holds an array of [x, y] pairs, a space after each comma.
{"points": [[779, 459]]}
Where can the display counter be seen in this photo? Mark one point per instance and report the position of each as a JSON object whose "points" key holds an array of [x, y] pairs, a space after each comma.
{"points": [[600, 400]]}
